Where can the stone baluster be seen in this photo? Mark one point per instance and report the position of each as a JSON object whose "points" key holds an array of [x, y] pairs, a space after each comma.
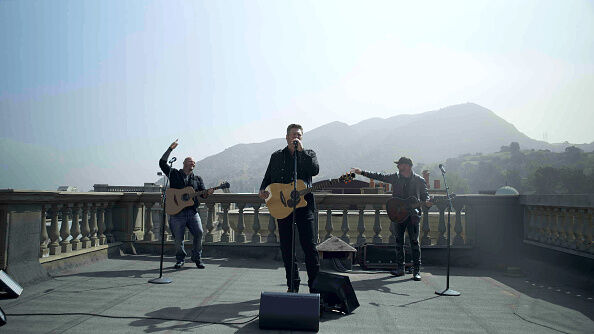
{"points": [[271, 229], [543, 221], [377, 227], [558, 219], [225, 237], [328, 226], [550, 222], [54, 232], [361, 239], [86, 230], [441, 227], [578, 229], [532, 226], [345, 226], [240, 234], [101, 223], [568, 223], [148, 221], [44, 238], [65, 245], [208, 236], [392, 229], [109, 223], [256, 236], [75, 228], [93, 225], [588, 231], [425, 239], [458, 239]]}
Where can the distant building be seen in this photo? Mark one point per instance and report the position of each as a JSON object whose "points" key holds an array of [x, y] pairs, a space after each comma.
{"points": [[67, 188]]}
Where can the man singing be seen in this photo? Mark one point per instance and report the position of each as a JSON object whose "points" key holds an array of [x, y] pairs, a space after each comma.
{"points": [[280, 170]]}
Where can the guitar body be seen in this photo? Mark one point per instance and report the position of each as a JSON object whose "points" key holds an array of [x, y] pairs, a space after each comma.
{"points": [[178, 199], [279, 201], [399, 209]]}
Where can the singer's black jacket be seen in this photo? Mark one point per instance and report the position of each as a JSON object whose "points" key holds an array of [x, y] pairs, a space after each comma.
{"points": [[177, 179], [281, 165]]}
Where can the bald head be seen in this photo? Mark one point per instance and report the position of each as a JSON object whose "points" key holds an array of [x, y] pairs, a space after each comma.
{"points": [[189, 165]]}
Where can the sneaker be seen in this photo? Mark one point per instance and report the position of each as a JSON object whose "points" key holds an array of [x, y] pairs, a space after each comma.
{"points": [[199, 264], [397, 272], [416, 276], [179, 264]]}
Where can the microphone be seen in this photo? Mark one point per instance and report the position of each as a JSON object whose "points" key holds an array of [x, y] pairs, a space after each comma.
{"points": [[172, 160], [442, 169], [295, 143]]}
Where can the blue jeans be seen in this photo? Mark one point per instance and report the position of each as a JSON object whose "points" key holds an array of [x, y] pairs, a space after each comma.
{"points": [[177, 224]]}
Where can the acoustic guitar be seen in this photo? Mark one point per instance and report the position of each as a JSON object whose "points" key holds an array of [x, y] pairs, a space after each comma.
{"points": [[399, 209], [179, 199], [281, 198]]}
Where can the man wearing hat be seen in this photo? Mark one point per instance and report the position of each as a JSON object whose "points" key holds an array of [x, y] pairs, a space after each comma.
{"points": [[405, 183]]}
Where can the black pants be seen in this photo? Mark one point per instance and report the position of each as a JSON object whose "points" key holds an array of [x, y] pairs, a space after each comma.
{"points": [[305, 228], [411, 225]]}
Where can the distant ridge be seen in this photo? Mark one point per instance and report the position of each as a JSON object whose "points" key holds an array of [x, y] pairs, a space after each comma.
{"points": [[375, 143]]}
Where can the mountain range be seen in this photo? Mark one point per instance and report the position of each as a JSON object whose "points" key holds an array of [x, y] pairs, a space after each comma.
{"points": [[375, 143]]}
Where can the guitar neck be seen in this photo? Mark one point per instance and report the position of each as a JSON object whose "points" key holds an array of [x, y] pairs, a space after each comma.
{"points": [[202, 192], [317, 187]]}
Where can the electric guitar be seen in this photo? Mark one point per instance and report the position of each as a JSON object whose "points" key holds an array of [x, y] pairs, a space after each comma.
{"points": [[399, 209], [281, 200], [178, 199]]}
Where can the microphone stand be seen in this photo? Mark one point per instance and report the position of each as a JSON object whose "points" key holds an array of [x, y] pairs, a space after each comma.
{"points": [[294, 198], [161, 279], [447, 291]]}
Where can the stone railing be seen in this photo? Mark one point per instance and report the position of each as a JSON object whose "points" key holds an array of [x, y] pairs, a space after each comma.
{"points": [[357, 219], [560, 222], [63, 224]]}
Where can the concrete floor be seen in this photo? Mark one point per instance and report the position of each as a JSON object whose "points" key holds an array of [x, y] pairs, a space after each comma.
{"points": [[113, 296]]}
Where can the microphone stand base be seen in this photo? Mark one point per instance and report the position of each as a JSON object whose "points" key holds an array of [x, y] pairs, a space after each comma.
{"points": [[447, 292], [160, 280]]}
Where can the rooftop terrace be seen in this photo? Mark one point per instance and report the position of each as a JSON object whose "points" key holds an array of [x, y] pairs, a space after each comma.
{"points": [[522, 263], [113, 296]]}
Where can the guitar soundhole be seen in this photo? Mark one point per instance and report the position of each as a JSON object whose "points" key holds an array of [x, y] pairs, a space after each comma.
{"points": [[185, 197]]}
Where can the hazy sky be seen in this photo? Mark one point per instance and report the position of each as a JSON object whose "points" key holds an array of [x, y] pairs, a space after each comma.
{"points": [[94, 91]]}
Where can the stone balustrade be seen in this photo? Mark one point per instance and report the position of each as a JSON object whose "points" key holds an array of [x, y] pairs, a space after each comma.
{"points": [[357, 219], [69, 223], [560, 222]]}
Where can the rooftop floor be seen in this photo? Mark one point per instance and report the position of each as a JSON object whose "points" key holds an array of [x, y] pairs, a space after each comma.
{"points": [[113, 296]]}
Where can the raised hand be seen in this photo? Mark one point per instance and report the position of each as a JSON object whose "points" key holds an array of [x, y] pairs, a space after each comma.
{"points": [[174, 144], [263, 194]]}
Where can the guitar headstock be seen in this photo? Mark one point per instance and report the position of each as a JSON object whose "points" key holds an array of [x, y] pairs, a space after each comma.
{"points": [[224, 185], [347, 177]]}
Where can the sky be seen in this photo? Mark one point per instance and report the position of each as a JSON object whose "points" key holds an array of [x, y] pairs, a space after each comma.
{"points": [[95, 91]]}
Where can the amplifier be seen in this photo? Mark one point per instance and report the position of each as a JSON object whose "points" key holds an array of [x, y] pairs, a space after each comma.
{"points": [[382, 256]]}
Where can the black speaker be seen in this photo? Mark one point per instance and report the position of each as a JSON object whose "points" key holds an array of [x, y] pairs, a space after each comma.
{"points": [[383, 256], [285, 310], [336, 290], [11, 288]]}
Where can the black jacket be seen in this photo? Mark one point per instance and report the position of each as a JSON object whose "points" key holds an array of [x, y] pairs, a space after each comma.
{"points": [[281, 165], [177, 177], [401, 186]]}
